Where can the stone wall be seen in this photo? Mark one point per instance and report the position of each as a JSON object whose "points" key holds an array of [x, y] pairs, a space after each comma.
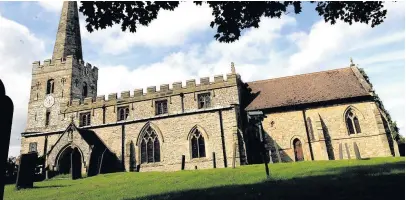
{"points": [[64, 72], [328, 132], [142, 106], [174, 143], [183, 115]]}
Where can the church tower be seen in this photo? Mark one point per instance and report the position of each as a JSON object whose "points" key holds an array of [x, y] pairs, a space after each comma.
{"points": [[57, 81]]}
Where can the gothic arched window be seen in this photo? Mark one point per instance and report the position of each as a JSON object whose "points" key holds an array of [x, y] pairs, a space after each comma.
{"points": [[50, 86], [352, 122], [150, 146], [197, 144], [84, 91]]}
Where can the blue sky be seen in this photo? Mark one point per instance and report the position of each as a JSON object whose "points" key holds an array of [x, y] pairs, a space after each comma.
{"points": [[179, 45]]}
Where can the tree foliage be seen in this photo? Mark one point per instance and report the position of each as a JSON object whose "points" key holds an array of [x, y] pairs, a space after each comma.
{"points": [[230, 17]]}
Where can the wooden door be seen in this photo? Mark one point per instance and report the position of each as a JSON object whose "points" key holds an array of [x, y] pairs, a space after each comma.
{"points": [[298, 150]]}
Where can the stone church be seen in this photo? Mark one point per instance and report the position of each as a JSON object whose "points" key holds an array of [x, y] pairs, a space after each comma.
{"points": [[326, 115]]}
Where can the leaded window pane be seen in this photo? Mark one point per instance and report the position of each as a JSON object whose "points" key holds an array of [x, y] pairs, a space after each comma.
{"points": [[84, 119], [350, 126], [150, 151], [161, 107], [150, 146], [195, 150], [157, 155], [143, 152], [356, 124], [204, 100], [122, 113], [202, 152]]}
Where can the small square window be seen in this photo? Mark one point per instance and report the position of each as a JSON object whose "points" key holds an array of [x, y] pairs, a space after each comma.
{"points": [[204, 100], [161, 107], [84, 119], [122, 113], [33, 147]]}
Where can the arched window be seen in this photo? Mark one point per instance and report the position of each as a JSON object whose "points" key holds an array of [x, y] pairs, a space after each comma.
{"points": [[197, 144], [50, 86], [352, 122], [84, 91], [150, 146]]}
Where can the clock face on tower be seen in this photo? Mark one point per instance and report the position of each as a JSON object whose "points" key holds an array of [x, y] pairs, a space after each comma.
{"points": [[49, 101]]}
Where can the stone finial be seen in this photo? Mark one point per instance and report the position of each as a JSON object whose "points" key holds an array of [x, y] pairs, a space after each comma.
{"points": [[232, 68], [351, 62]]}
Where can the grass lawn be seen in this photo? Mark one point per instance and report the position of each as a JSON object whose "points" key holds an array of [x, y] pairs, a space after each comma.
{"points": [[378, 178]]}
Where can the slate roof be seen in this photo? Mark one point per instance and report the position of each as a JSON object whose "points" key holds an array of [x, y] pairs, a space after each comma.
{"points": [[308, 88]]}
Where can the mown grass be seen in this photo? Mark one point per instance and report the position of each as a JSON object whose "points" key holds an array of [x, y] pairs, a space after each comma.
{"points": [[377, 178]]}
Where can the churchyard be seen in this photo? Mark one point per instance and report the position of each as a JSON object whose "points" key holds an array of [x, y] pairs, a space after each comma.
{"points": [[376, 178]]}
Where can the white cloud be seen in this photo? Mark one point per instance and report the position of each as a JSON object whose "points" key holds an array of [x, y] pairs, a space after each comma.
{"points": [[52, 6], [171, 28], [18, 49]]}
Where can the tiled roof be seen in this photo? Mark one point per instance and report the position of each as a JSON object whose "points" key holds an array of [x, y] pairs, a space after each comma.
{"points": [[308, 88]]}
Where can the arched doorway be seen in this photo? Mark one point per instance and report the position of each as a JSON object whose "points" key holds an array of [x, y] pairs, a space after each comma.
{"points": [[76, 164], [70, 162], [297, 145], [64, 163]]}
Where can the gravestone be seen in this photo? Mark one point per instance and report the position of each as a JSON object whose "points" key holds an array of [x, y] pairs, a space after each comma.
{"points": [[26, 170], [6, 115]]}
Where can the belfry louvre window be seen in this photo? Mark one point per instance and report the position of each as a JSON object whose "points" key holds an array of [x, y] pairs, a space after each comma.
{"points": [[122, 113], [84, 119], [161, 107], [84, 91], [50, 86], [150, 147], [352, 123], [33, 147], [197, 144], [204, 100]]}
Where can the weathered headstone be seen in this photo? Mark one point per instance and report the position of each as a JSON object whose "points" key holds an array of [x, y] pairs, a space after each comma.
{"points": [[340, 151], [6, 116], [26, 170], [356, 150]]}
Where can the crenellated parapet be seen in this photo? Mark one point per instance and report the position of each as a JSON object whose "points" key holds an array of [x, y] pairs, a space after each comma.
{"points": [[51, 65], [151, 92]]}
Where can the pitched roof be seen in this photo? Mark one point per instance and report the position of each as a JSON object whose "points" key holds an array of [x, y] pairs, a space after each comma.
{"points": [[308, 88]]}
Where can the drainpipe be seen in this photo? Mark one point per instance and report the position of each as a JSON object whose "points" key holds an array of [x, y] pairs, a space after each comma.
{"points": [[308, 135], [122, 146], [222, 139]]}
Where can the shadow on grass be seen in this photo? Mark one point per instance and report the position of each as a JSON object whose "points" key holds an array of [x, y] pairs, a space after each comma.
{"points": [[358, 182]]}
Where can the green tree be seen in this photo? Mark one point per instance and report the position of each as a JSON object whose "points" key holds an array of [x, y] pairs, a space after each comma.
{"points": [[230, 17]]}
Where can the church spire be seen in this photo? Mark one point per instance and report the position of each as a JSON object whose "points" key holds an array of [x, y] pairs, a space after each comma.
{"points": [[68, 41]]}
